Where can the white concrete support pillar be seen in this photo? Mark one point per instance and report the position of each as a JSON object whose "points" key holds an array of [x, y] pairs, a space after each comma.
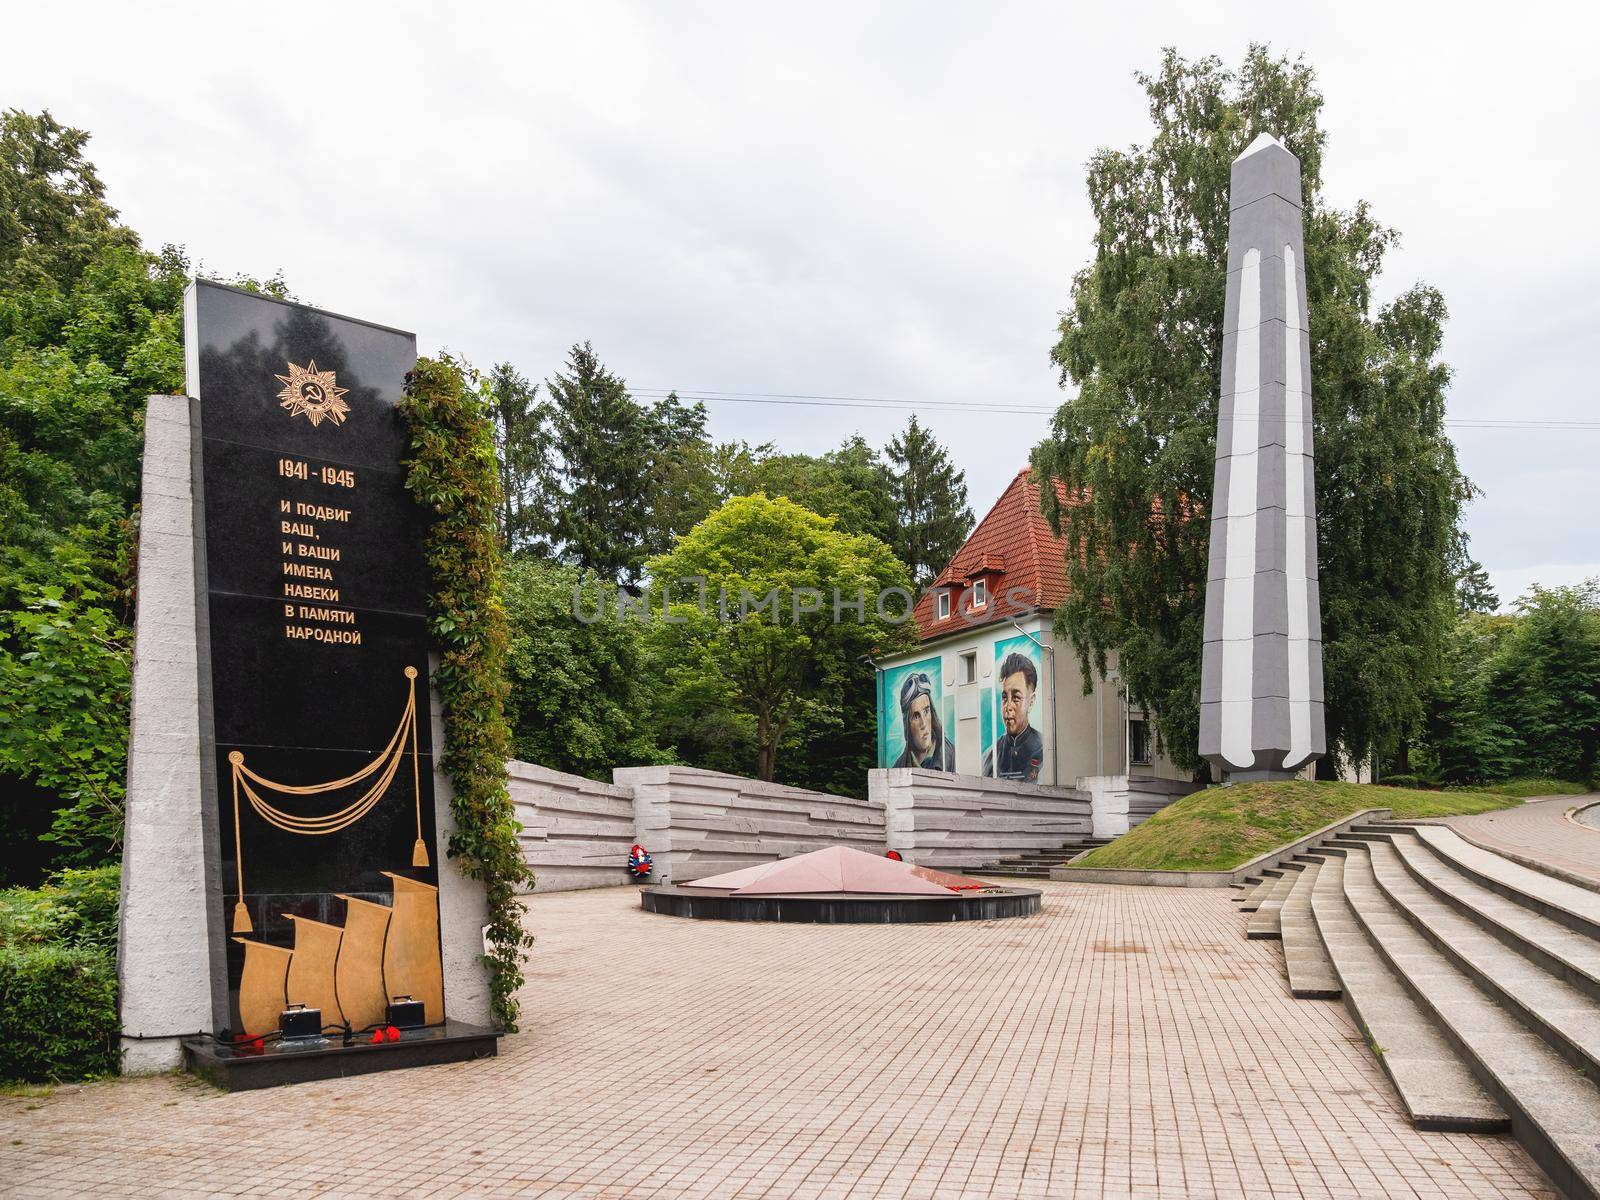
{"points": [[169, 926]]}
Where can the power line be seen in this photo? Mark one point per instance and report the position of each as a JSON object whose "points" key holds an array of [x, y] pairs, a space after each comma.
{"points": [[819, 400]]}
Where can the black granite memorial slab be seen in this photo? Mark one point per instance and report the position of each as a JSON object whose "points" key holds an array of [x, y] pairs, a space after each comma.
{"points": [[314, 669], [274, 1064]]}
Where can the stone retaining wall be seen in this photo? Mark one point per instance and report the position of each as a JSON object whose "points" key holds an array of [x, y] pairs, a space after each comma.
{"points": [[1122, 801], [960, 822], [697, 823], [576, 832]]}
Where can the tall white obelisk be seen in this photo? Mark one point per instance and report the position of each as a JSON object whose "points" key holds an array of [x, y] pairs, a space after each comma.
{"points": [[1261, 714]]}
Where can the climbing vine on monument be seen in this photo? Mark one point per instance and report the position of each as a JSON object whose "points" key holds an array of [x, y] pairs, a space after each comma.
{"points": [[452, 472]]}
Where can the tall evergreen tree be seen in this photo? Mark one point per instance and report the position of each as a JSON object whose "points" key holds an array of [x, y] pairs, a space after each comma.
{"points": [[522, 444], [603, 446], [930, 499], [1474, 592], [1143, 341], [683, 487]]}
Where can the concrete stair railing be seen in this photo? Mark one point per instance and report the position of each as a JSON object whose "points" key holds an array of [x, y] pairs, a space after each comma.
{"points": [[1476, 980]]}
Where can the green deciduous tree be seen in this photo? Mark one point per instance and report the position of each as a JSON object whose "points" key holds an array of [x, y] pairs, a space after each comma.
{"points": [[90, 326], [54, 219], [580, 685], [930, 501], [766, 652], [850, 484], [1465, 735], [1544, 681], [1143, 341]]}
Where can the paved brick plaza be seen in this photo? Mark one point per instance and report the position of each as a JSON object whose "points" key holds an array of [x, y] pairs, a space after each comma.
{"points": [[1127, 1041]]}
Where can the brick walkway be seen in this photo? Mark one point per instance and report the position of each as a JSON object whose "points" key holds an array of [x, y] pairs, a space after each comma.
{"points": [[1540, 828], [1126, 1042]]}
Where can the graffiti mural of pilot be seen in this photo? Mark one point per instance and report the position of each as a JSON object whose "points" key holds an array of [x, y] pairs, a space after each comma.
{"points": [[926, 743]]}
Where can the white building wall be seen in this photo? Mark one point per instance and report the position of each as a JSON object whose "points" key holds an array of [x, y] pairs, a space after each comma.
{"points": [[1085, 735]]}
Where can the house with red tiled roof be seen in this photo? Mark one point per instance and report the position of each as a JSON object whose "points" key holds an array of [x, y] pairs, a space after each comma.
{"points": [[991, 690]]}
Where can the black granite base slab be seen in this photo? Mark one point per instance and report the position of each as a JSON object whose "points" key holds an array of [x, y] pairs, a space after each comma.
{"points": [[279, 1063], [840, 908]]}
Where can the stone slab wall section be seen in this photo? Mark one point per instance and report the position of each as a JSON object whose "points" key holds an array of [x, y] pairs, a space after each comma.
{"points": [[1119, 802], [960, 822], [576, 832], [1146, 797], [696, 823]]}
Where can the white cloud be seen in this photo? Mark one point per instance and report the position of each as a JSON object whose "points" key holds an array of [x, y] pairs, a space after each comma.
{"points": [[862, 199]]}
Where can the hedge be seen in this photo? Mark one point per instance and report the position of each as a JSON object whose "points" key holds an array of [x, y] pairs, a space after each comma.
{"points": [[58, 1013]]}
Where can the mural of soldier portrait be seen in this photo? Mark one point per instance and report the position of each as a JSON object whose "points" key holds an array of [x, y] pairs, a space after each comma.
{"points": [[1018, 752], [926, 743]]}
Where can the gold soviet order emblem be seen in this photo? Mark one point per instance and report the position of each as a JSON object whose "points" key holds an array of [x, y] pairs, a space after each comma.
{"points": [[312, 394]]}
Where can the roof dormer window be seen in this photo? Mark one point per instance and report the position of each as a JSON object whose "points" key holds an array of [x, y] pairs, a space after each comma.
{"points": [[980, 594], [944, 606]]}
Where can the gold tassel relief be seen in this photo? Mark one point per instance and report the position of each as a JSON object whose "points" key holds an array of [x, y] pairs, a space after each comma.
{"points": [[348, 972]]}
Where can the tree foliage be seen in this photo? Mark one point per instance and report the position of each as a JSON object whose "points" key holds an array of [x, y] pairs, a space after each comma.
{"points": [[90, 324], [580, 687], [1142, 339], [521, 443], [602, 467], [451, 470], [1474, 592], [765, 652], [1519, 695], [930, 502]]}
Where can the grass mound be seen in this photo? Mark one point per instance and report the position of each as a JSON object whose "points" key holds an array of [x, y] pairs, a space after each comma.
{"points": [[1224, 827]]}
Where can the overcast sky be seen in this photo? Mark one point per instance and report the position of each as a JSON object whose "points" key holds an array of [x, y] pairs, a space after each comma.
{"points": [[856, 200]]}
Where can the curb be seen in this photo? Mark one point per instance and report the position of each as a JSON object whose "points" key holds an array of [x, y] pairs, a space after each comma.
{"points": [[1215, 879]]}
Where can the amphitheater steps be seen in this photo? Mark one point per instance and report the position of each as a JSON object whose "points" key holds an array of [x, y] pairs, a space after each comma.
{"points": [[1265, 921], [1520, 1052], [1254, 897], [1476, 979], [1436, 1088], [1305, 958]]}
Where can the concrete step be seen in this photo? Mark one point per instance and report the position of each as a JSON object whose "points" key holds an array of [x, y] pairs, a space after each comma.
{"points": [[1305, 958], [1549, 945], [1554, 1110], [1269, 877], [1575, 907], [1436, 1089], [1264, 921], [1565, 1017]]}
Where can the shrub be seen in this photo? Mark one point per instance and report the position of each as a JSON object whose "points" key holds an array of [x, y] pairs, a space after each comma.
{"points": [[58, 1013], [91, 895], [78, 907]]}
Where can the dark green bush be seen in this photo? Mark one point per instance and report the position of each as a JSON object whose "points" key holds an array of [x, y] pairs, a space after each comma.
{"points": [[1405, 781], [58, 1013]]}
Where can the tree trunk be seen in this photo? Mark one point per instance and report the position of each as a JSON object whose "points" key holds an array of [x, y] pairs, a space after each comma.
{"points": [[766, 746]]}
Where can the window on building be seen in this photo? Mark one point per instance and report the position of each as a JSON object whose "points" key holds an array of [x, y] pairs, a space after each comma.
{"points": [[944, 606], [969, 667], [980, 593], [1138, 741]]}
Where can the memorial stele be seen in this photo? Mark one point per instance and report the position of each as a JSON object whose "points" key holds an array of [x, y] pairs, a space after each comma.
{"points": [[285, 819], [1261, 704]]}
